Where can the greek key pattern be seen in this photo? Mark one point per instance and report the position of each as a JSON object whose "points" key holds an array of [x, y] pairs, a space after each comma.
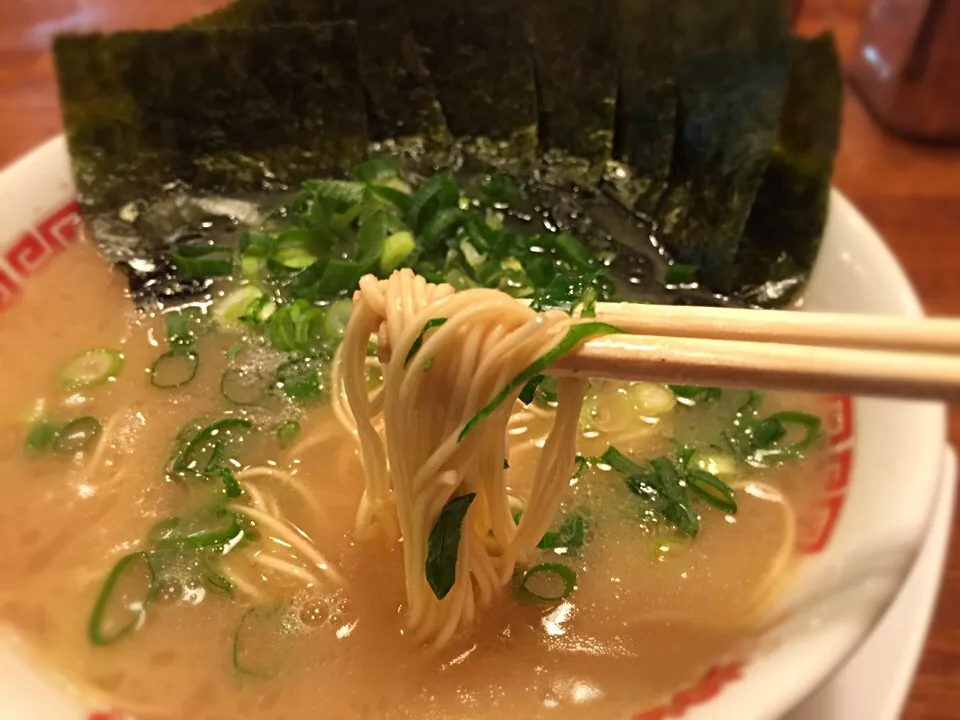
{"points": [[35, 248]]}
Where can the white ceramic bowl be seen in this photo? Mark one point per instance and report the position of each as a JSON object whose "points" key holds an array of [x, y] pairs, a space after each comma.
{"points": [[859, 545]]}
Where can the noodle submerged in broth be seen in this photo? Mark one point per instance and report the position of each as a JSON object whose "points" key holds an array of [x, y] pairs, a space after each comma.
{"points": [[236, 509]]}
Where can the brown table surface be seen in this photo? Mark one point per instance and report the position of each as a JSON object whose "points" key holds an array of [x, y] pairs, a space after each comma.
{"points": [[910, 192]]}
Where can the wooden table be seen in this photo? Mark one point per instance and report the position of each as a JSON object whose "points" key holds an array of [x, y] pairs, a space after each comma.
{"points": [[910, 192]]}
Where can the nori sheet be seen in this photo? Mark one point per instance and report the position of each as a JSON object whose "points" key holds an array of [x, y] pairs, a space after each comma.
{"points": [[403, 100], [160, 123], [231, 111], [732, 66], [478, 56], [646, 123], [787, 221], [577, 76]]}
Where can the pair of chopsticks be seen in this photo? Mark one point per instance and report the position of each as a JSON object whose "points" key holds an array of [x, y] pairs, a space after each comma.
{"points": [[776, 350]]}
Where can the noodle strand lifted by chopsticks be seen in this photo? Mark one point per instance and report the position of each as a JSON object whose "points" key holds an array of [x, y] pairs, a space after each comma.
{"points": [[485, 340]]}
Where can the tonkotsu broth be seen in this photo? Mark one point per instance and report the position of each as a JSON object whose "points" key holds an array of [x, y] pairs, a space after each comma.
{"points": [[642, 622]]}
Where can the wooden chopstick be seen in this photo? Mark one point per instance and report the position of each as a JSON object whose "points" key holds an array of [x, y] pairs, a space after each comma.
{"points": [[766, 365], [797, 328], [874, 355]]}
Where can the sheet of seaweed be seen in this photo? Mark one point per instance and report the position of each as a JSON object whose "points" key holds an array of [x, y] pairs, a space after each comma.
{"points": [[577, 75], [197, 113], [403, 100], [646, 122], [732, 68], [225, 111], [478, 56], [787, 221]]}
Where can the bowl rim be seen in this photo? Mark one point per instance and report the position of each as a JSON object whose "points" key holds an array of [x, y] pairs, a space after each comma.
{"points": [[16, 193]]}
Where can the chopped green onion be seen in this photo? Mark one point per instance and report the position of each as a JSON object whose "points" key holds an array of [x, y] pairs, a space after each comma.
{"points": [[91, 368], [399, 197], [565, 575], [337, 317], [418, 343], [233, 351], [287, 432], [256, 244], [260, 645], [299, 379], [122, 604], [680, 274], [212, 526], [569, 537], [178, 328], [210, 439], [175, 368], [40, 435], [218, 581], [497, 189], [443, 545], [235, 306], [396, 249], [376, 170], [712, 489], [290, 327], [242, 387], [694, 393], [259, 311], [574, 336], [338, 276], [77, 435], [570, 249], [757, 442], [548, 392], [293, 249], [441, 226], [768, 432], [659, 485], [340, 190], [202, 260], [439, 192], [564, 292], [529, 392]]}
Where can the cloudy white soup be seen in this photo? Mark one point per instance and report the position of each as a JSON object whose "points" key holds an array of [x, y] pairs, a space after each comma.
{"points": [[217, 506]]}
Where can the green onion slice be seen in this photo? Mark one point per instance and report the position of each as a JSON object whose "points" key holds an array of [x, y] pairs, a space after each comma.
{"points": [[396, 249], [443, 545], [376, 169], [211, 439], [554, 572], [680, 274], [237, 306], [574, 336], [175, 368], [197, 259], [243, 387], [77, 435], [261, 645], [337, 317], [418, 343], [40, 435], [122, 604], [287, 432], [211, 526], [300, 379], [91, 368], [711, 489], [569, 537]]}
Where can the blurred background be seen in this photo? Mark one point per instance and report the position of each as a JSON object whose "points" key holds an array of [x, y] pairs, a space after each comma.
{"points": [[899, 163]]}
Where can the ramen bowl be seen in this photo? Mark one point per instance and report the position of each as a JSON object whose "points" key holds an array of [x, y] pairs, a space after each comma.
{"points": [[858, 543]]}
